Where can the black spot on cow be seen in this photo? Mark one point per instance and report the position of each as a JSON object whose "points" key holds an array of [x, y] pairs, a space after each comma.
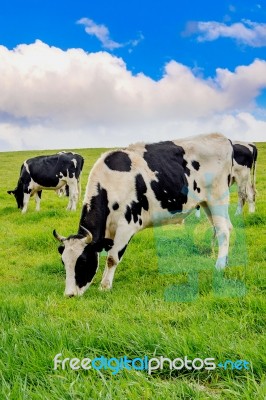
{"points": [[141, 189], [229, 180], [195, 165], [187, 170], [94, 215], [121, 252], [128, 214], [140, 221], [135, 208], [166, 159], [115, 206], [243, 155], [195, 187], [118, 161], [86, 266]]}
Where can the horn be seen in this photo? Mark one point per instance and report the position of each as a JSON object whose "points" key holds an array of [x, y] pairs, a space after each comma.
{"points": [[58, 237], [88, 238]]}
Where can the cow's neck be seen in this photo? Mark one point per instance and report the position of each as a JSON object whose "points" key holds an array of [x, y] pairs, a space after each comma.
{"points": [[94, 214]]}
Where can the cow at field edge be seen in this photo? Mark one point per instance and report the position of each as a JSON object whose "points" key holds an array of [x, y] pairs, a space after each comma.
{"points": [[244, 174], [144, 185], [48, 172]]}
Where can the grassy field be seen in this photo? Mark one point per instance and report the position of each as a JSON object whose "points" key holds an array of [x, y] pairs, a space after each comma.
{"points": [[166, 301]]}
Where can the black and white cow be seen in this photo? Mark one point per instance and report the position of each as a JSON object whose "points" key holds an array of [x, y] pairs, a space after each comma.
{"points": [[243, 174], [140, 186], [48, 172]]}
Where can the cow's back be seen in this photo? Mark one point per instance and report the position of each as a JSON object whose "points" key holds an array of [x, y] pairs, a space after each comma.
{"points": [[176, 175]]}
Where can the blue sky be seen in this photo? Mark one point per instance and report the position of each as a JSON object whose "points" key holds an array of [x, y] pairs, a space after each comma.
{"points": [[193, 38], [162, 24]]}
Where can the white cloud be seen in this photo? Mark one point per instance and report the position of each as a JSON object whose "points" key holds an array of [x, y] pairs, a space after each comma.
{"points": [[101, 32], [245, 32], [103, 35], [52, 98]]}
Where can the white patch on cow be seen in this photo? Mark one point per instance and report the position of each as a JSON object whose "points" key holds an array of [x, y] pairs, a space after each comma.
{"points": [[73, 249], [74, 162], [26, 166], [197, 213]]}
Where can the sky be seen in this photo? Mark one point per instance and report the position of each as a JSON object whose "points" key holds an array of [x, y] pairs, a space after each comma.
{"points": [[78, 74]]}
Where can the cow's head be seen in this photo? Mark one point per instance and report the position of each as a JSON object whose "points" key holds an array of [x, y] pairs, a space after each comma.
{"points": [[80, 258], [18, 194]]}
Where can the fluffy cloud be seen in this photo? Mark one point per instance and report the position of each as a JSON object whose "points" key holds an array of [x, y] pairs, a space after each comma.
{"points": [[245, 32], [52, 98]]}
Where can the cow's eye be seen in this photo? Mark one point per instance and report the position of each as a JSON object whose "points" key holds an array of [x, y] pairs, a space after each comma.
{"points": [[61, 249]]}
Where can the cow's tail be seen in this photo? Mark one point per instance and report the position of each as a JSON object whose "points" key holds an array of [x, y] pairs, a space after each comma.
{"points": [[254, 165]]}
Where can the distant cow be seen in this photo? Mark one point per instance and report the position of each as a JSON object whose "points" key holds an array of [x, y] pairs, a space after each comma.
{"points": [[48, 172], [243, 174], [142, 185]]}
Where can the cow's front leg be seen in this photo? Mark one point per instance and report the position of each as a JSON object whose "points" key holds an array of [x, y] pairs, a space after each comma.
{"points": [[109, 272], [223, 227], [26, 199], [38, 200], [121, 240]]}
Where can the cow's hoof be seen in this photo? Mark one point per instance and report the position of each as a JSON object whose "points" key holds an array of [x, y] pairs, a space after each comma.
{"points": [[105, 285], [221, 263]]}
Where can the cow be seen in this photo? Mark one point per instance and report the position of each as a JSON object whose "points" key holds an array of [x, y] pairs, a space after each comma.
{"points": [[243, 174], [48, 172], [141, 186]]}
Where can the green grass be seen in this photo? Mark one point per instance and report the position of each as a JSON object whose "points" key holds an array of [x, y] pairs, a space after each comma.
{"points": [[166, 301]]}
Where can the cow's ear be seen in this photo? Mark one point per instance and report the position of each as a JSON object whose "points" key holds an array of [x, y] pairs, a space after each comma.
{"points": [[11, 191], [103, 244], [61, 249]]}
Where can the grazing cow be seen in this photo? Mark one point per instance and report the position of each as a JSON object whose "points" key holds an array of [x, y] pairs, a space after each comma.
{"points": [[243, 174], [144, 185], [48, 172]]}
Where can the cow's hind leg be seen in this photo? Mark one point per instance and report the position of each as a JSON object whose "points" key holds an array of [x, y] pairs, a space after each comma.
{"points": [[241, 201], [219, 216], [73, 194], [251, 197], [121, 240]]}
